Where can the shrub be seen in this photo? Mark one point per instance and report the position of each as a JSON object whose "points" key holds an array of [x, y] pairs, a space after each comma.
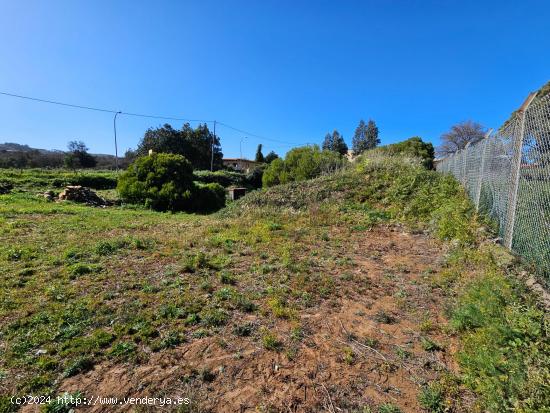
{"points": [[301, 164], [208, 197], [161, 181], [94, 181], [254, 177], [273, 175], [164, 182], [432, 399], [224, 178], [413, 147], [270, 341]]}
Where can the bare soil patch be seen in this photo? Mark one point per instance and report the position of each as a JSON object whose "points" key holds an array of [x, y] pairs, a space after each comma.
{"points": [[377, 339]]}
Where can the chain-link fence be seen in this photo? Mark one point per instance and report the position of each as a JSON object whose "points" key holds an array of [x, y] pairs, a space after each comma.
{"points": [[507, 175]]}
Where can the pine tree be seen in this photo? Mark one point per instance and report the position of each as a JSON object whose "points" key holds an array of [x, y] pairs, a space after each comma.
{"points": [[335, 142], [359, 138], [365, 137], [338, 144], [328, 142], [372, 135], [259, 155], [270, 157]]}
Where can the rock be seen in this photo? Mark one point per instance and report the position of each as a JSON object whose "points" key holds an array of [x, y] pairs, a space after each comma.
{"points": [[82, 195], [49, 195]]}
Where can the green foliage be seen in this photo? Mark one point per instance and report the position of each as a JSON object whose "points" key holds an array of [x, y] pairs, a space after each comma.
{"points": [[505, 353], [388, 408], [301, 164], [270, 341], [413, 147], [161, 181], [259, 155], [222, 177], [195, 145], [123, 350], [225, 178], [41, 179], [80, 365], [274, 173], [207, 197], [335, 143], [365, 137], [78, 156], [432, 398], [164, 182], [270, 157]]}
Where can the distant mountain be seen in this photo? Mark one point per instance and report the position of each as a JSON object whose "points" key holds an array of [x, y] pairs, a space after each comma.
{"points": [[16, 147], [15, 155]]}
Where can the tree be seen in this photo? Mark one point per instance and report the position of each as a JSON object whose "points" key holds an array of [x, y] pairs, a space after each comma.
{"points": [[372, 135], [338, 144], [327, 142], [335, 143], [459, 136], [196, 145], [365, 137], [300, 164], [259, 155], [78, 156], [270, 157]]}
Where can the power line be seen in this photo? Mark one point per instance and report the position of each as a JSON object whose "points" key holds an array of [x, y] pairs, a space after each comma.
{"points": [[54, 102], [257, 136]]}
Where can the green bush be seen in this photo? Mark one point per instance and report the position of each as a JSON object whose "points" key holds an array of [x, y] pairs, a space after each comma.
{"points": [[413, 147], [94, 181], [209, 197], [251, 180], [162, 181], [505, 351], [300, 164], [223, 178]]}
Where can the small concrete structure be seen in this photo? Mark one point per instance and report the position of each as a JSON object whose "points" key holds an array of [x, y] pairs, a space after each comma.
{"points": [[240, 164], [236, 193]]}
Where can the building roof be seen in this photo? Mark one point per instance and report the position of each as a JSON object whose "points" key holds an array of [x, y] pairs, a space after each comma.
{"points": [[238, 160]]}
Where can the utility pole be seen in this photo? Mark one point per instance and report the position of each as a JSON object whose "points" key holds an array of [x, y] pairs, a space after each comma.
{"points": [[116, 146], [212, 148]]}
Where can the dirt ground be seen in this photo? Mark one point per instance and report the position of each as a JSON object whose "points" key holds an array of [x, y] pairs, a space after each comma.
{"points": [[363, 347]]}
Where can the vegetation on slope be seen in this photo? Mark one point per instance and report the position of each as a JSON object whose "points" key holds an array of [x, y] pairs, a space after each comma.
{"points": [[122, 284], [505, 352]]}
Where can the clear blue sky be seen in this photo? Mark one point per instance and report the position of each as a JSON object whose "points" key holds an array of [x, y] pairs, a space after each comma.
{"points": [[289, 70]]}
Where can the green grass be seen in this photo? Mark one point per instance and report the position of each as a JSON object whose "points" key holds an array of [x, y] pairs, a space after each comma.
{"points": [[116, 284], [505, 348], [56, 179]]}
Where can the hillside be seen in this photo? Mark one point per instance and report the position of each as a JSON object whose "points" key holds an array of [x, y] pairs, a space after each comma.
{"points": [[24, 156], [374, 289]]}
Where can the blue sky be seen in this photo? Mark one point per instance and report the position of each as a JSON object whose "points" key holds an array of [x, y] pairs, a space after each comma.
{"points": [[287, 70]]}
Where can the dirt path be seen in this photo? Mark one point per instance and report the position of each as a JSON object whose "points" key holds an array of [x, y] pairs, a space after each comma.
{"points": [[376, 340]]}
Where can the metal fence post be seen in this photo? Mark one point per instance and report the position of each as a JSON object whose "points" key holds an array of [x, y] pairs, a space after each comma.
{"points": [[482, 168], [465, 152], [515, 175]]}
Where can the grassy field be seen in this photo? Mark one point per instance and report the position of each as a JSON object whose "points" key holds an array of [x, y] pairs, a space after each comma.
{"points": [[370, 290]]}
